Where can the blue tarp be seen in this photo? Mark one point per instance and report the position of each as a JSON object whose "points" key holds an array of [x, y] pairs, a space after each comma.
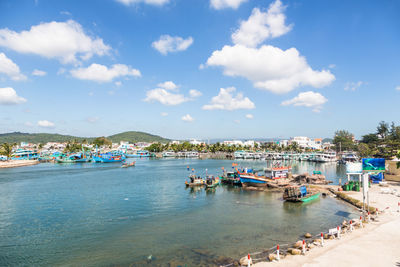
{"points": [[303, 190], [376, 178]]}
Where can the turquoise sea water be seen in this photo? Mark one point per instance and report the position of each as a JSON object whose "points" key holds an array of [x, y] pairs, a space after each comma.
{"points": [[104, 215]]}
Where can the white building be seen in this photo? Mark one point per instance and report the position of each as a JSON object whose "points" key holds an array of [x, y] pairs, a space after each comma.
{"points": [[306, 142], [249, 143], [195, 142], [233, 143]]}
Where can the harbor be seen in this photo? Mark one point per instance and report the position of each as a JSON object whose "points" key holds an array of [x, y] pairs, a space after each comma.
{"points": [[119, 221]]}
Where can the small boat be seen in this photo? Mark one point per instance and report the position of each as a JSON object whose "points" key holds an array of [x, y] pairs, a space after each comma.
{"points": [[212, 181], [126, 165], [299, 194], [277, 172], [231, 178], [195, 181]]}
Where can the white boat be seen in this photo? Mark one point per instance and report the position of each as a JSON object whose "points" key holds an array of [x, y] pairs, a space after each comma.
{"points": [[349, 157], [239, 154], [168, 154], [326, 157], [192, 154]]}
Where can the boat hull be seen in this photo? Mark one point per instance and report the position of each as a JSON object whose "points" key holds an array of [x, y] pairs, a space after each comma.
{"points": [[304, 199], [252, 181]]}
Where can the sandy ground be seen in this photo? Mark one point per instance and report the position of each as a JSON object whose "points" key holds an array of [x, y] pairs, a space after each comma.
{"points": [[377, 244], [17, 163]]}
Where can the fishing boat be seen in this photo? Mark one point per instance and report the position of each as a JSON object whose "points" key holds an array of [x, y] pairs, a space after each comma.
{"points": [[127, 165], [194, 181], [74, 158], [250, 178], [25, 154], [277, 172], [212, 182], [299, 194], [231, 178], [140, 154], [108, 158]]}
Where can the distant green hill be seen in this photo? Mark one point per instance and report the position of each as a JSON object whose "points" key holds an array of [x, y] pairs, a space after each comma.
{"points": [[134, 137], [37, 138]]}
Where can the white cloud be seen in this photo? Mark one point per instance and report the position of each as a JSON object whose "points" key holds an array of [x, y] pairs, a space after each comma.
{"points": [[36, 72], [167, 44], [101, 73], [167, 94], [164, 114], [45, 124], [150, 2], [194, 93], [269, 67], [64, 41], [226, 101], [332, 66], [352, 86], [165, 97], [398, 88], [118, 83], [61, 71], [187, 118], [168, 85], [92, 119], [261, 26], [249, 116], [221, 4], [8, 96], [307, 99], [8, 67]]}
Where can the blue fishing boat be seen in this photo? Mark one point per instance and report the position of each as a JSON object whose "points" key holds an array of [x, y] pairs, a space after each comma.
{"points": [[250, 178], [25, 154], [108, 158]]}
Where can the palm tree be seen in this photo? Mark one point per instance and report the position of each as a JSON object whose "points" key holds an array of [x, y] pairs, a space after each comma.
{"points": [[7, 150]]}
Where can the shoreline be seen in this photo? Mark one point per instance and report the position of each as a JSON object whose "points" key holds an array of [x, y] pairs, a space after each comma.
{"points": [[17, 163], [373, 245]]}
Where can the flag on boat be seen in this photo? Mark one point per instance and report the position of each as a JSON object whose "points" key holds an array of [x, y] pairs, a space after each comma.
{"points": [[187, 168], [234, 164]]}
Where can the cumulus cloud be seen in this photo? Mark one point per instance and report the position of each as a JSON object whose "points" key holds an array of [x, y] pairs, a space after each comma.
{"points": [[36, 72], [398, 88], [64, 41], [168, 85], [194, 93], [164, 114], [150, 2], [118, 83], [167, 94], [167, 44], [187, 118], [261, 26], [8, 67], [226, 101], [164, 97], [221, 4], [249, 116], [8, 96], [308, 99], [101, 73], [269, 67], [352, 86], [45, 124]]}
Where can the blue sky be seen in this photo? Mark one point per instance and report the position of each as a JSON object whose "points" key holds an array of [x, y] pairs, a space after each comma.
{"points": [[199, 68]]}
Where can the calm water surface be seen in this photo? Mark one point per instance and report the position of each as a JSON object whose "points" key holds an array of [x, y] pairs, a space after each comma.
{"points": [[103, 215]]}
